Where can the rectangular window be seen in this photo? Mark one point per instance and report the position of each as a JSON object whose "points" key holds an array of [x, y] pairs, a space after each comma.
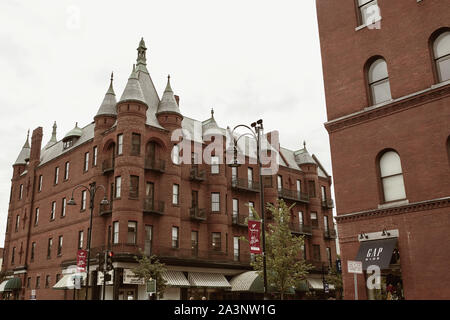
{"points": [[251, 205], [316, 252], [175, 191], [120, 144], [28, 282], [324, 193], [21, 192], [13, 255], [176, 154], [235, 207], [94, 156], [216, 241], [134, 187], [116, 232], [234, 173], [132, 232], [33, 249], [17, 222], [40, 183], [148, 240], [215, 165], [80, 239], [280, 183], [83, 199], [300, 218], [312, 189], [314, 221], [49, 248], [135, 144], [236, 248], [109, 236], [194, 243], [66, 171], [215, 202], [60, 244], [86, 162], [175, 237], [56, 175], [38, 282], [250, 177], [299, 188], [63, 207], [367, 11], [325, 223], [52, 213], [36, 217], [118, 186], [47, 281], [330, 261]]}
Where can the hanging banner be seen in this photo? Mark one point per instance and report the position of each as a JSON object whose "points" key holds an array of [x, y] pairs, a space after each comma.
{"points": [[81, 260], [254, 236]]}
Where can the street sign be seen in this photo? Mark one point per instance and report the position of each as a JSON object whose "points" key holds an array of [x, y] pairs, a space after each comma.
{"points": [[100, 278], [130, 278], [33, 295], [81, 260], [151, 286], [354, 267]]}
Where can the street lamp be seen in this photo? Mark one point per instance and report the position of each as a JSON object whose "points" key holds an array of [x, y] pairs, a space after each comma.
{"points": [[256, 133], [92, 191]]}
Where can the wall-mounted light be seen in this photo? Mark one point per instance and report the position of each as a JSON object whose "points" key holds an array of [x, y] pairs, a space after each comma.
{"points": [[385, 233], [363, 236]]}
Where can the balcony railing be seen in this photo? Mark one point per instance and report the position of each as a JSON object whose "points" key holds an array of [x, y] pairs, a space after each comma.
{"points": [[293, 195], [329, 234], [194, 253], [245, 184], [300, 228], [328, 204], [197, 175], [197, 214], [108, 165], [157, 165], [106, 208], [152, 206], [318, 265], [239, 220]]}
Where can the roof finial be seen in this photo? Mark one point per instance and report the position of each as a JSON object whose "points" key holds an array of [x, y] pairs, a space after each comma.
{"points": [[76, 124], [27, 145], [212, 112], [112, 76]]}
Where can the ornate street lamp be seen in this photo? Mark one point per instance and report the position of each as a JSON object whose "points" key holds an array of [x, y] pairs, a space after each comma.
{"points": [[256, 134], [92, 191]]}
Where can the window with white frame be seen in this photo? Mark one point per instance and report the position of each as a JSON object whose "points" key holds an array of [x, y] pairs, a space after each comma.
{"points": [[441, 48], [215, 165], [176, 154], [175, 194], [175, 242], [56, 175], [40, 183], [132, 232], [392, 177], [215, 202], [368, 11], [63, 207], [380, 89], [52, 213], [94, 156], [83, 199], [236, 248], [120, 144], [36, 217], [250, 177], [118, 186], [280, 183], [116, 232], [86, 162], [21, 192], [66, 171], [80, 239], [251, 205], [235, 207]]}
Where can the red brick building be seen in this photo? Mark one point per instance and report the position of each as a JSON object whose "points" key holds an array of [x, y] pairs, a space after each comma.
{"points": [[386, 67], [190, 215]]}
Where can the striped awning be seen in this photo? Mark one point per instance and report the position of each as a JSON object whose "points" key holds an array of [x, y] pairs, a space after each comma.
{"points": [[67, 281], [175, 279], [247, 281], [317, 283], [2, 286], [208, 280]]}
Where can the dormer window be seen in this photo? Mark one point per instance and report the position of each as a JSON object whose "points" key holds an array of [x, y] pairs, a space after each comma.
{"points": [[68, 143], [72, 136]]}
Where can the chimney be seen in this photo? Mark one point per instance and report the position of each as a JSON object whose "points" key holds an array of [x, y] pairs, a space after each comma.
{"points": [[36, 142], [177, 98]]}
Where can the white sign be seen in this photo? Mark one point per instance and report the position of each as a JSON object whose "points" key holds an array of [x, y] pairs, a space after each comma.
{"points": [[100, 278], [130, 278], [354, 267]]}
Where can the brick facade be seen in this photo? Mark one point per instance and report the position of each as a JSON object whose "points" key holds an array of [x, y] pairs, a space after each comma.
{"points": [[414, 123]]}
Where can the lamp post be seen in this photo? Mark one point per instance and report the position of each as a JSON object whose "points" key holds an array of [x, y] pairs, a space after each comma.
{"points": [[256, 133], [92, 191]]}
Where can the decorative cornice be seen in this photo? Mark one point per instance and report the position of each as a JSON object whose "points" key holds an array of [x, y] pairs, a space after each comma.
{"points": [[403, 209], [372, 113]]}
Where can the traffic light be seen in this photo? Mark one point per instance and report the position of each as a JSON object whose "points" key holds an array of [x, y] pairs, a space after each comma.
{"points": [[109, 264], [101, 261]]}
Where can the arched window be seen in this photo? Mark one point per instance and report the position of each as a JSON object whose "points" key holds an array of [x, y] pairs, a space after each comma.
{"points": [[392, 177], [441, 48], [378, 77]]}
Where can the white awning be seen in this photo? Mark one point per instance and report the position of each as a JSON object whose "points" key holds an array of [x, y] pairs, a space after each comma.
{"points": [[208, 280], [175, 278], [67, 281], [2, 285], [247, 281], [317, 283]]}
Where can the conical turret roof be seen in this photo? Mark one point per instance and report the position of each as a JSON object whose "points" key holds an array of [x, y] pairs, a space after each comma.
{"points": [[210, 126], [53, 139], [302, 156], [108, 106], [168, 102], [24, 154], [133, 90]]}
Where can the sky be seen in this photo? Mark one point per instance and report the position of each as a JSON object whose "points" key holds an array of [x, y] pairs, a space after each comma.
{"points": [[248, 60]]}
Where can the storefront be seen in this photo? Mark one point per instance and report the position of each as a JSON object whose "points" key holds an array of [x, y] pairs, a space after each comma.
{"points": [[379, 251], [10, 289]]}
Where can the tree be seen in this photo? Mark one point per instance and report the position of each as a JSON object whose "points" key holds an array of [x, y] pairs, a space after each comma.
{"points": [[283, 252], [150, 268], [335, 279]]}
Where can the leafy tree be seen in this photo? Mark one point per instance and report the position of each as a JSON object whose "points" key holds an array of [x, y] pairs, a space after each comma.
{"points": [[150, 268], [283, 252], [335, 279]]}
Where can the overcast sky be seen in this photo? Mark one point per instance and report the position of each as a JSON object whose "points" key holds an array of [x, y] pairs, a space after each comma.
{"points": [[246, 59]]}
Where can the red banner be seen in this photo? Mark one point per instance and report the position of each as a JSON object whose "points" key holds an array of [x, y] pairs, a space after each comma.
{"points": [[81, 260], [254, 236]]}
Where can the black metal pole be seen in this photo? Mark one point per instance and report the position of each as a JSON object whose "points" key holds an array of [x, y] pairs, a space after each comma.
{"points": [[104, 275], [92, 196], [261, 197]]}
